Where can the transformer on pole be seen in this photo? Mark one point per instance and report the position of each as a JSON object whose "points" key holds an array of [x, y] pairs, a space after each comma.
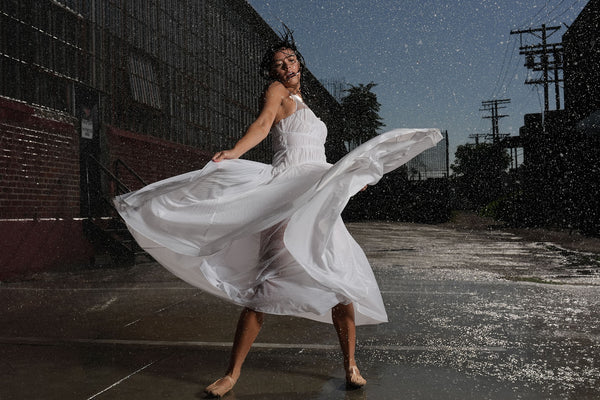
{"points": [[543, 57]]}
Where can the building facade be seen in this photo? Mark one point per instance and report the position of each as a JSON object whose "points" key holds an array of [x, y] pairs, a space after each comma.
{"points": [[138, 90], [562, 147], [432, 163], [581, 45]]}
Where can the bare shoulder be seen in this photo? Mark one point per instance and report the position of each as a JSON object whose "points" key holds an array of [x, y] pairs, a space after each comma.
{"points": [[276, 103], [276, 89]]}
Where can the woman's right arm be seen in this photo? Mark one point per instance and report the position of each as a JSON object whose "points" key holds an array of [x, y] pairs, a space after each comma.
{"points": [[260, 128]]}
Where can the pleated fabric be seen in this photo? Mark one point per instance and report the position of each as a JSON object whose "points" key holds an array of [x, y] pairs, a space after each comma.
{"points": [[270, 237]]}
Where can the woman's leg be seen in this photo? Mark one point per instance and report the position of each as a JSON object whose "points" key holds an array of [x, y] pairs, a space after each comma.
{"points": [[343, 321], [248, 327]]}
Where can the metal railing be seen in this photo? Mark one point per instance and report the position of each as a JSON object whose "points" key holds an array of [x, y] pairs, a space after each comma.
{"points": [[98, 192], [118, 162], [102, 225]]}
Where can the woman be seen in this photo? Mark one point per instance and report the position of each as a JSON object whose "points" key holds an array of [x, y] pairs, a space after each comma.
{"points": [[270, 237]]}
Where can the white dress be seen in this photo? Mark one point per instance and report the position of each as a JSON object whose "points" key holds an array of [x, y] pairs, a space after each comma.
{"points": [[270, 237]]}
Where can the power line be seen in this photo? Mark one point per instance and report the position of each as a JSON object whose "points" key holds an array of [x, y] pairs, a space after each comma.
{"points": [[537, 90], [536, 14], [501, 69], [512, 75], [504, 68], [554, 9], [543, 57], [568, 8], [493, 106], [537, 17]]}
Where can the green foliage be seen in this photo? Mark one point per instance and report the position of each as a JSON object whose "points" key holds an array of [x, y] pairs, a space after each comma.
{"points": [[480, 160], [395, 198], [480, 173], [360, 109]]}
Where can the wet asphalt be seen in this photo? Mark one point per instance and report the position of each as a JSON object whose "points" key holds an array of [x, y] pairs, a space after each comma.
{"points": [[473, 315]]}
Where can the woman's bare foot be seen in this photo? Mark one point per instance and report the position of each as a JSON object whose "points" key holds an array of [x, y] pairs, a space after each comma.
{"points": [[354, 379], [220, 386]]}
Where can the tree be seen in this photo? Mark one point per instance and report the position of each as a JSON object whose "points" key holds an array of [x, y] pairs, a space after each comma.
{"points": [[480, 173], [360, 109]]}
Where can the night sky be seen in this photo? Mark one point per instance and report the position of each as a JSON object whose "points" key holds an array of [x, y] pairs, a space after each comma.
{"points": [[434, 61]]}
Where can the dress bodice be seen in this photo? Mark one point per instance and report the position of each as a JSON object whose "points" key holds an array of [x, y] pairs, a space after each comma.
{"points": [[298, 138]]}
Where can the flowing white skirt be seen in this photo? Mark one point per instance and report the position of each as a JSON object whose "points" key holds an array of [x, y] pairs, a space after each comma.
{"points": [[271, 241]]}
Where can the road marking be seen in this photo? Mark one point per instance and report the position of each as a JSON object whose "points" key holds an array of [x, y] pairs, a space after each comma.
{"points": [[122, 380], [427, 293], [389, 250], [103, 306], [299, 346], [108, 289], [161, 310]]}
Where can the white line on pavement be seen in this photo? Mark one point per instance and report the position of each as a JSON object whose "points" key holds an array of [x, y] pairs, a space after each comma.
{"points": [[161, 309], [122, 380], [422, 292], [178, 343]]}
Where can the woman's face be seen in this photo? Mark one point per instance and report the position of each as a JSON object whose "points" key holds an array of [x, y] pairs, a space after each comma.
{"points": [[286, 67]]}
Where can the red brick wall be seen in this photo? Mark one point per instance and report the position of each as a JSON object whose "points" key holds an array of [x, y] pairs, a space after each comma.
{"points": [[39, 191], [39, 184], [152, 158], [41, 245], [39, 163]]}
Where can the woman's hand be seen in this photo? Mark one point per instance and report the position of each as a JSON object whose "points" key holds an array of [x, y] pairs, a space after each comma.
{"points": [[224, 155]]}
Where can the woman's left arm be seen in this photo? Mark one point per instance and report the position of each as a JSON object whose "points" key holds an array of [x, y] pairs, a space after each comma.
{"points": [[260, 128]]}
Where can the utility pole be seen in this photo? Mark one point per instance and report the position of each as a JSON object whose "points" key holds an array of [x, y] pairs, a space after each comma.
{"points": [[447, 154], [493, 106], [476, 136], [549, 55]]}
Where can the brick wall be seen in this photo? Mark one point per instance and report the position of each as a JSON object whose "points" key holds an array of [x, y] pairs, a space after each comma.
{"points": [[152, 158], [40, 188], [39, 163], [41, 245], [39, 191]]}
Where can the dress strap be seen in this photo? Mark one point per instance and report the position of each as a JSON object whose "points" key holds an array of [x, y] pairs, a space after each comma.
{"points": [[299, 102]]}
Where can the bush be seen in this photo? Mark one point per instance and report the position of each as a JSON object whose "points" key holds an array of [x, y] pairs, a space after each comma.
{"points": [[402, 200]]}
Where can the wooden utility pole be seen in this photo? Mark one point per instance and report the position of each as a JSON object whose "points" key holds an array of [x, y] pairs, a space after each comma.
{"points": [[493, 106], [476, 136], [447, 154], [543, 57]]}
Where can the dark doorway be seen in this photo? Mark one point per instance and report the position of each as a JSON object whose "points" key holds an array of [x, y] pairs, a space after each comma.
{"points": [[86, 110]]}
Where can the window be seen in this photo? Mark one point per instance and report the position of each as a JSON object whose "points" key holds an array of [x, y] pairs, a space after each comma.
{"points": [[144, 82]]}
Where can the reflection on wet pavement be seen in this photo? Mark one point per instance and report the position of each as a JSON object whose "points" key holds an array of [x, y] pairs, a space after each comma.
{"points": [[459, 329], [550, 333]]}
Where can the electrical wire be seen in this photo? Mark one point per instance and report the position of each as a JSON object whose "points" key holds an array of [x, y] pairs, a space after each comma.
{"points": [[557, 11], [504, 77], [535, 16], [512, 75], [570, 8], [502, 69], [537, 90], [556, 7], [540, 18]]}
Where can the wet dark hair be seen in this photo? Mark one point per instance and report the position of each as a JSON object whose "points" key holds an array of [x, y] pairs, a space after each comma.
{"points": [[285, 41]]}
